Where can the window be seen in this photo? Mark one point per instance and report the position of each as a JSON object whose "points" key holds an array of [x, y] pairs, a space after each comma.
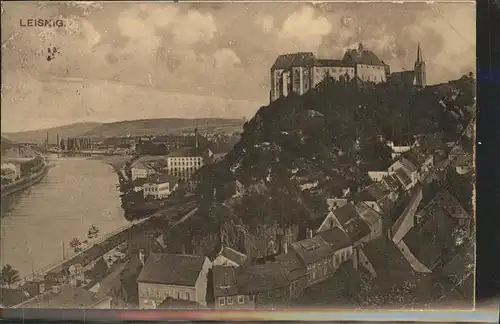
{"points": [[178, 295], [229, 300], [222, 301], [241, 299], [188, 297], [252, 298]]}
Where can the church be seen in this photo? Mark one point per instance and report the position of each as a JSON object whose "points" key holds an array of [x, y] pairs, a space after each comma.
{"points": [[415, 77]]}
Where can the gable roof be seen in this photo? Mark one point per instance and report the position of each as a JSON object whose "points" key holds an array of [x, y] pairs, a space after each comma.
{"points": [[336, 238], [171, 269], [345, 213], [431, 239], [233, 255], [287, 61], [362, 56], [410, 167]]}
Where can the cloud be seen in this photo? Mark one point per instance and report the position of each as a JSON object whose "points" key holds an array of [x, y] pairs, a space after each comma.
{"points": [[223, 51], [225, 57], [265, 22], [304, 28]]}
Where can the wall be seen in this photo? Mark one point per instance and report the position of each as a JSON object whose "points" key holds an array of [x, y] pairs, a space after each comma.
{"points": [[406, 220], [371, 73], [320, 72], [324, 269], [377, 176], [159, 292], [248, 302], [202, 283]]}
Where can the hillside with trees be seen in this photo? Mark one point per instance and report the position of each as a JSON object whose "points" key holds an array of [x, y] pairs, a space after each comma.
{"points": [[300, 149]]}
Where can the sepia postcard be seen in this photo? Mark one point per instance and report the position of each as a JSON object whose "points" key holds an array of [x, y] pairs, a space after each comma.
{"points": [[238, 155]]}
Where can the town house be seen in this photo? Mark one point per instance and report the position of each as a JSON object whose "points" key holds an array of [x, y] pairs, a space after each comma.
{"points": [[323, 253], [141, 170], [160, 186], [271, 284], [176, 276]]}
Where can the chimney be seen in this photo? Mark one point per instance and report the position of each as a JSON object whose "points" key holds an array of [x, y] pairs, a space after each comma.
{"points": [[142, 257], [196, 136]]}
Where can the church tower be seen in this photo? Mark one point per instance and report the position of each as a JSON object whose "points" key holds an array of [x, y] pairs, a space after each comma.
{"points": [[419, 70]]}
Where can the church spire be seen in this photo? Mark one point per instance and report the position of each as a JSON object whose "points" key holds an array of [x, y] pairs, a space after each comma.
{"points": [[419, 70], [420, 58]]}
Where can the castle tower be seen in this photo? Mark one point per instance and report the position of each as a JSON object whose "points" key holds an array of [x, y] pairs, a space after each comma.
{"points": [[419, 69]]}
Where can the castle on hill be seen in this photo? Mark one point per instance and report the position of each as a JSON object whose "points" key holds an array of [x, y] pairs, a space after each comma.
{"points": [[300, 72]]}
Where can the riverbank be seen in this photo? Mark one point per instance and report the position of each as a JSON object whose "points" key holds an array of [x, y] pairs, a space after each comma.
{"points": [[24, 183], [116, 161]]}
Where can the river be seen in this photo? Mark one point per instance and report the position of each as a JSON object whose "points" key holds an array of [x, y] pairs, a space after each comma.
{"points": [[76, 194]]}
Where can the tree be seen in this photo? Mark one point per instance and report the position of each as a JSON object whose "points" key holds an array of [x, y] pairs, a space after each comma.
{"points": [[9, 275], [93, 232], [76, 244]]}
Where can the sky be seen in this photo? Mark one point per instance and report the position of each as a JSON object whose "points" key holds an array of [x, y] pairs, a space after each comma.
{"points": [[124, 61]]}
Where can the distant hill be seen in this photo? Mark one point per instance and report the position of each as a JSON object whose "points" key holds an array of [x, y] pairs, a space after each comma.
{"points": [[124, 128], [39, 136], [14, 150], [164, 126]]}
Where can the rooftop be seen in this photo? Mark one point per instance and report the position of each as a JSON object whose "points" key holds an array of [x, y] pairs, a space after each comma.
{"points": [[260, 278], [403, 178], [224, 279], [336, 238], [287, 61], [432, 239], [373, 192], [161, 178], [331, 63], [345, 213], [12, 297], [291, 266], [362, 56], [233, 255], [356, 228], [367, 213], [312, 249], [171, 269]]}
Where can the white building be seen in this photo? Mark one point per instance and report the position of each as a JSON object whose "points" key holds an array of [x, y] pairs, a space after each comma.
{"points": [[183, 164], [160, 187], [140, 170]]}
